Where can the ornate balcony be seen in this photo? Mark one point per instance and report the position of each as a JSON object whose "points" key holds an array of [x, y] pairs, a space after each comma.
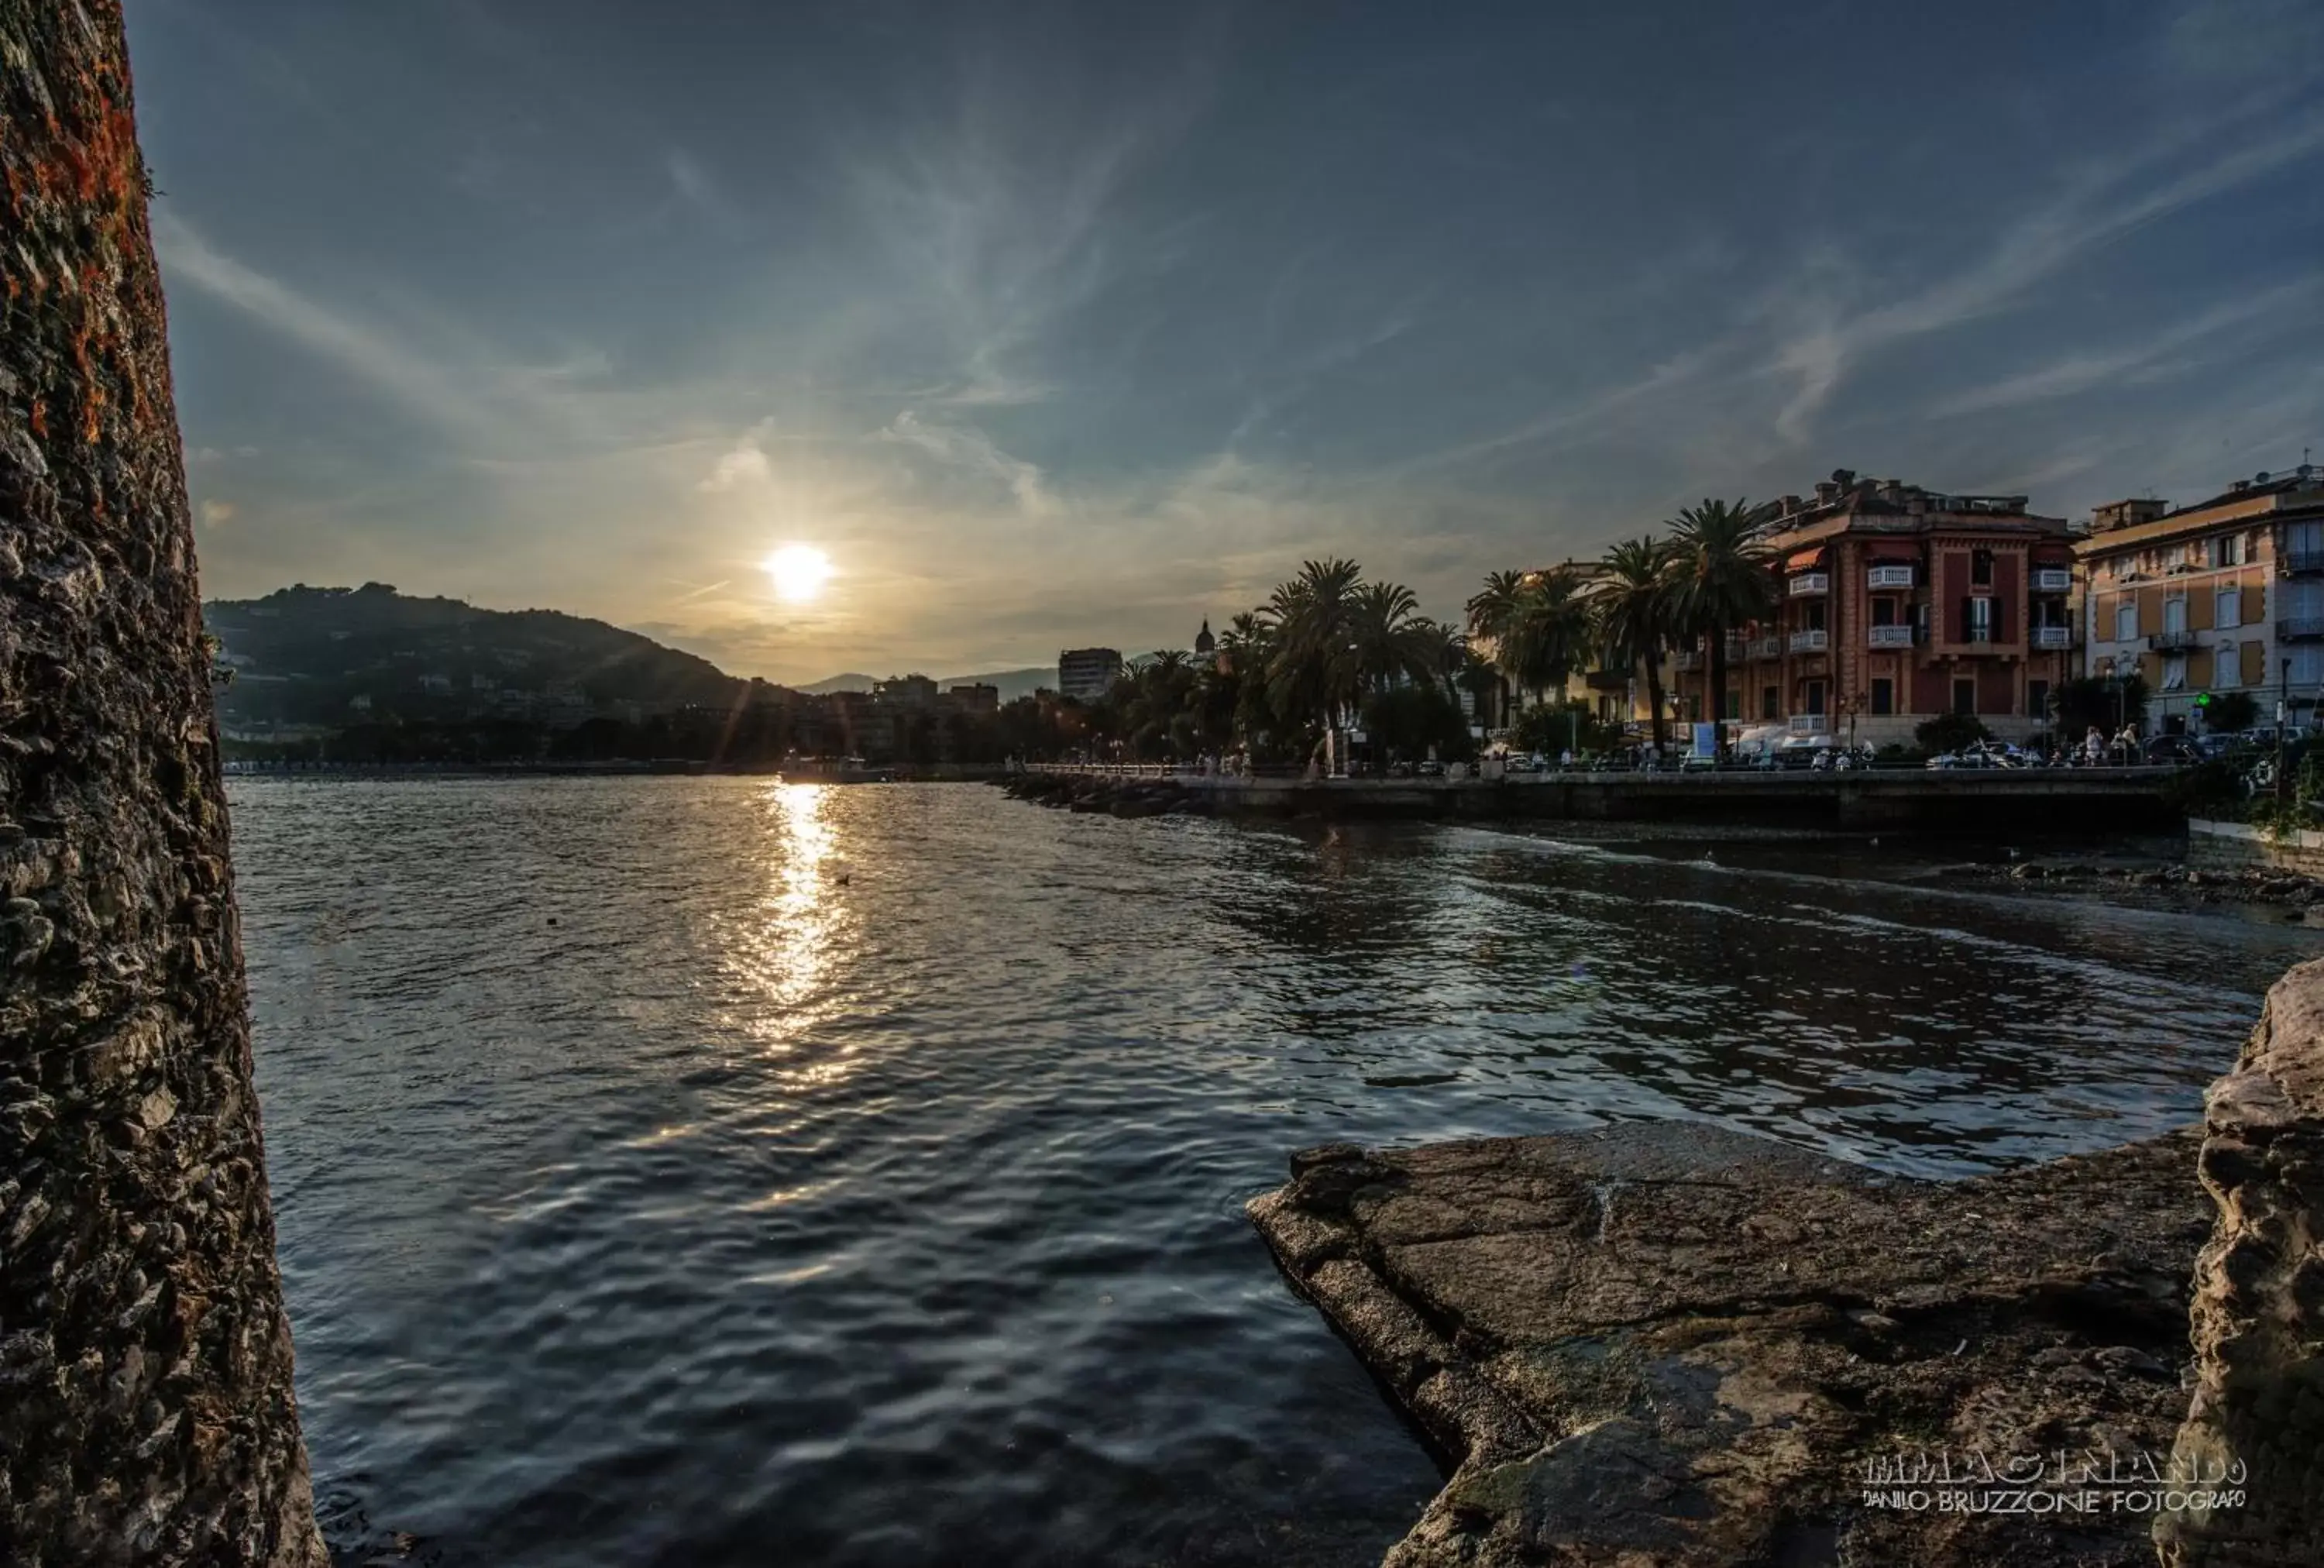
{"points": [[2299, 629], [1898, 635], [1814, 640], [1808, 583], [1687, 662], [1810, 724], [2173, 641], [1892, 574], [2054, 579], [2295, 563], [2054, 636], [1766, 648]]}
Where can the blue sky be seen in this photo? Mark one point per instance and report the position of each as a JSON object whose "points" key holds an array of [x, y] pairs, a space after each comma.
{"points": [[1060, 324]]}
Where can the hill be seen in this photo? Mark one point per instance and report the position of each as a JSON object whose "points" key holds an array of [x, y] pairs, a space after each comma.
{"points": [[315, 656], [1013, 683], [851, 681]]}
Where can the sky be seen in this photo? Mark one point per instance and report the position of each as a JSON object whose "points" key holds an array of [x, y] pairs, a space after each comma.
{"points": [[1057, 324]]}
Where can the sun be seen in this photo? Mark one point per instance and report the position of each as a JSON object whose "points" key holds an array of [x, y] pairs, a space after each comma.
{"points": [[798, 571]]}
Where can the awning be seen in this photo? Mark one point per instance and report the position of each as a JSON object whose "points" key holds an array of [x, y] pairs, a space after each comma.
{"points": [[1803, 561]]}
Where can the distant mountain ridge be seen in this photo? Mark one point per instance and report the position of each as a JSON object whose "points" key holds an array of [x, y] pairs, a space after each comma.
{"points": [[303, 655], [308, 656], [1012, 683]]}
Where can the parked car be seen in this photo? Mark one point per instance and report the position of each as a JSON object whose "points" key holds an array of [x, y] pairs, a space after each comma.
{"points": [[1431, 769], [2170, 752]]}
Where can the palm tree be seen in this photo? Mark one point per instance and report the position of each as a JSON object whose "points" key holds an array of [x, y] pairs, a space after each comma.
{"points": [[1546, 631], [1719, 581], [141, 1246], [1631, 606], [1491, 610], [1314, 672]]}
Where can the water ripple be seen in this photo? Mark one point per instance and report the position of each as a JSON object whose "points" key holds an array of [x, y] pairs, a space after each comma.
{"points": [[715, 1171]]}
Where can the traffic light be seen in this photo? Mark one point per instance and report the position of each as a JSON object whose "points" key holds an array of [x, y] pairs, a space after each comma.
{"points": [[2202, 699]]}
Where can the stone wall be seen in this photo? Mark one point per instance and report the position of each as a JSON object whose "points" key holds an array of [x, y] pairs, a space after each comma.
{"points": [[146, 1408], [2233, 846], [2258, 1320]]}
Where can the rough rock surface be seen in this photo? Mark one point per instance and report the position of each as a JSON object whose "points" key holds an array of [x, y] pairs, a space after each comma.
{"points": [[1667, 1344], [146, 1410], [2258, 1323]]}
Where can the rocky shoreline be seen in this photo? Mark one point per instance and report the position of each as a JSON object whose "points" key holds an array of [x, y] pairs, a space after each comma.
{"points": [[1126, 796], [1670, 1344]]}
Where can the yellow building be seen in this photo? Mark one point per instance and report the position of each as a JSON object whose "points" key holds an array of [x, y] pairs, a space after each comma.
{"points": [[2223, 595]]}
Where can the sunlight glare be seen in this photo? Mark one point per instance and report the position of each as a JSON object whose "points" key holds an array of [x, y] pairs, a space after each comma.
{"points": [[798, 570]]}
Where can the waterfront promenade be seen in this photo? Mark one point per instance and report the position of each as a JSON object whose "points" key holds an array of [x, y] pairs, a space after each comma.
{"points": [[1999, 800]]}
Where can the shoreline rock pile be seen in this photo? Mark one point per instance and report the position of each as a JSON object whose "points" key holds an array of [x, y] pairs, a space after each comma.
{"points": [[1123, 796], [1666, 1343]]}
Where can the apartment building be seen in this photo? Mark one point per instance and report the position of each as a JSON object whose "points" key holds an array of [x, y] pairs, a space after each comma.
{"points": [[2223, 595], [1896, 603], [1087, 674]]}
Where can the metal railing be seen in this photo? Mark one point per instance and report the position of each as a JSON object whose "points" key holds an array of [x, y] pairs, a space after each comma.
{"points": [[2167, 642], [1814, 640], [1767, 648], [2300, 628]]}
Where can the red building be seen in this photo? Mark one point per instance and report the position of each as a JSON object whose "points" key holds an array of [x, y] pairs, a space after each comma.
{"points": [[1894, 604]]}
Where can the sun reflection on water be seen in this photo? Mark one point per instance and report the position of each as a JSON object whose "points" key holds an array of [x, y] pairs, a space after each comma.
{"points": [[784, 947]]}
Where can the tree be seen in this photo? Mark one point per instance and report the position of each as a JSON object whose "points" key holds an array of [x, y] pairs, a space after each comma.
{"points": [[1635, 621], [1492, 609], [2098, 701], [1950, 731], [150, 1415], [1719, 581], [1537, 623], [2231, 713], [1314, 669]]}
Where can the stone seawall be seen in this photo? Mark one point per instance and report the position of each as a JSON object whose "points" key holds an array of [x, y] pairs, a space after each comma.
{"points": [[1668, 1344], [2101, 802], [2233, 846]]}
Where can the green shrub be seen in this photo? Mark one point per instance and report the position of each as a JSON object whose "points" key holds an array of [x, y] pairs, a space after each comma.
{"points": [[1951, 731]]}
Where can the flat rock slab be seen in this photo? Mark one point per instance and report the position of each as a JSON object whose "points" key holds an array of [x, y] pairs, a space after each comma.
{"points": [[1667, 1344]]}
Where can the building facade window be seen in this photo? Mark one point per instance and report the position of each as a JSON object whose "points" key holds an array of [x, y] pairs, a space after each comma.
{"points": [[2225, 549], [2304, 539], [1884, 696], [2037, 699], [2174, 673], [2307, 663], [1771, 700], [1814, 692], [2174, 613], [1964, 696], [1981, 568], [2227, 666], [2230, 608], [1734, 703], [1884, 612], [2125, 621], [1977, 618]]}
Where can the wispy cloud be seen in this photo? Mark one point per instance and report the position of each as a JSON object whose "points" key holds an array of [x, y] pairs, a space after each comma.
{"points": [[970, 450], [2101, 204], [743, 463], [2080, 372]]}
